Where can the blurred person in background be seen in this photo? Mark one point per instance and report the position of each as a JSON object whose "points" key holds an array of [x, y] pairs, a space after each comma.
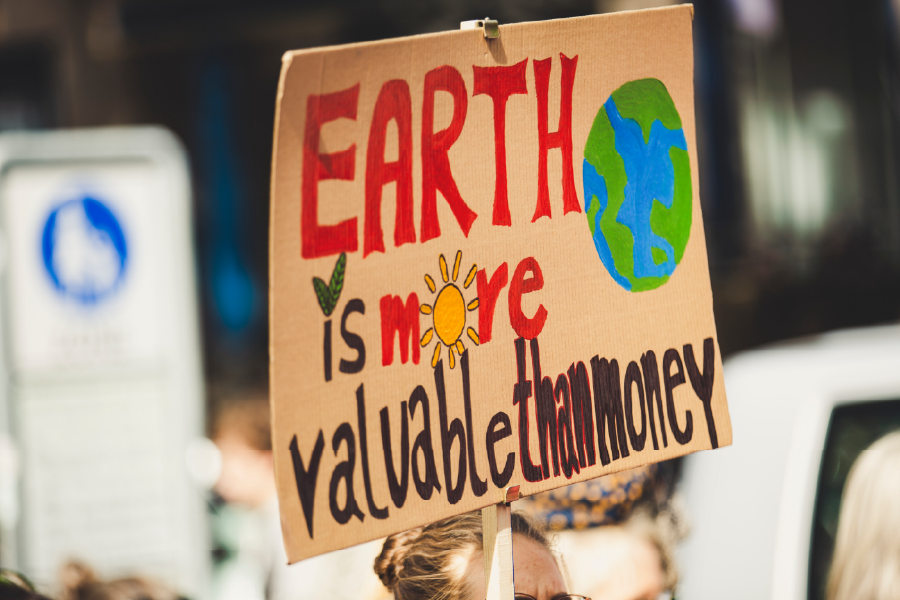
{"points": [[249, 527], [79, 582], [618, 532], [630, 561], [14, 586], [866, 563]]}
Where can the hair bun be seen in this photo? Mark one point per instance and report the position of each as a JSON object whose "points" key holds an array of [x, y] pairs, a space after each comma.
{"points": [[390, 562]]}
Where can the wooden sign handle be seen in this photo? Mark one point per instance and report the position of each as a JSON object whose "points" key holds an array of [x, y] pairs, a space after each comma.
{"points": [[496, 523]]}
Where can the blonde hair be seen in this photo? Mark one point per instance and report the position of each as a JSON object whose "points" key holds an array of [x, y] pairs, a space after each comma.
{"points": [[429, 563], [866, 563]]}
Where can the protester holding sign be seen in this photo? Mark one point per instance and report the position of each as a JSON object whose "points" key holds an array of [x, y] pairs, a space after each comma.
{"points": [[444, 561]]}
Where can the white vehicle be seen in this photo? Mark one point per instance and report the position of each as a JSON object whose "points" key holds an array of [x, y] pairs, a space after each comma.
{"points": [[764, 511]]}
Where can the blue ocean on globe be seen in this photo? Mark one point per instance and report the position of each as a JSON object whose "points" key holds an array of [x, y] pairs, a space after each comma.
{"points": [[637, 185]]}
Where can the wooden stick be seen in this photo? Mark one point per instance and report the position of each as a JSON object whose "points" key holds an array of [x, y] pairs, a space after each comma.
{"points": [[498, 552]]}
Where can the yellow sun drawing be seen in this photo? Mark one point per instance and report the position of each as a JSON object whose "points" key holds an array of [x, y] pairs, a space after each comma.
{"points": [[449, 312]]}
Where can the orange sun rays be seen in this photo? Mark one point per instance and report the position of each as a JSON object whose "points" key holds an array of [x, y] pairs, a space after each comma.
{"points": [[448, 312]]}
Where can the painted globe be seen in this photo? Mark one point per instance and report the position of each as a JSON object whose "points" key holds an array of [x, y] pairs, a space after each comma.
{"points": [[637, 185]]}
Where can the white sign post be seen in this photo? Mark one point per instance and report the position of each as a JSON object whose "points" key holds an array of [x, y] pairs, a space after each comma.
{"points": [[103, 389]]}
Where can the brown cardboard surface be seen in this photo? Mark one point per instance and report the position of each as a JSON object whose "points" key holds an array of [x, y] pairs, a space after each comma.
{"points": [[588, 314]]}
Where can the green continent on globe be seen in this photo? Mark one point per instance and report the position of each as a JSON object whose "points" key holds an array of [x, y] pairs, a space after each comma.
{"points": [[637, 185]]}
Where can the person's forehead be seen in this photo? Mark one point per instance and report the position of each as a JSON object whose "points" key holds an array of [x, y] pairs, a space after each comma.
{"points": [[536, 571]]}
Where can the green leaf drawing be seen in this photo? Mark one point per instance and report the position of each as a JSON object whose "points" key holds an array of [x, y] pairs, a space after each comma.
{"points": [[324, 295], [328, 295], [337, 277]]}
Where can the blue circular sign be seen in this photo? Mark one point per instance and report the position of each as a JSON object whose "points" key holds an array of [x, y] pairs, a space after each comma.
{"points": [[84, 250]]}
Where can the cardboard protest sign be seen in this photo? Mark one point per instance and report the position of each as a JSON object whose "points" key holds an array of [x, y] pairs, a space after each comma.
{"points": [[488, 269]]}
